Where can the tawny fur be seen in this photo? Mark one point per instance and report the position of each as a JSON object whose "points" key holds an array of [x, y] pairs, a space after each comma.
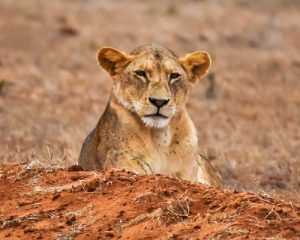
{"points": [[129, 134]]}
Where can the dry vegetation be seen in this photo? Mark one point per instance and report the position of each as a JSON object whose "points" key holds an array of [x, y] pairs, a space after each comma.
{"points": [[247, 111]]}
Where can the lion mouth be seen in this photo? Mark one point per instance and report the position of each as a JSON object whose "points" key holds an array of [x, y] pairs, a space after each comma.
{"points": [[155, 120], [156, 115]]}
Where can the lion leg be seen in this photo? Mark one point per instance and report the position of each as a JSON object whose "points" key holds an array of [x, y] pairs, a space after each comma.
{"points": [[207, 174], [127, 160], [88, 158]]}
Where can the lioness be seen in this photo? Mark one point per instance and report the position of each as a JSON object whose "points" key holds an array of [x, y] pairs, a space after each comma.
{"points": [[145, 127]]}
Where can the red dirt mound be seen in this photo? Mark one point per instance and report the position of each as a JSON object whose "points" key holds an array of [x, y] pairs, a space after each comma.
{"points": [[49, 203]]}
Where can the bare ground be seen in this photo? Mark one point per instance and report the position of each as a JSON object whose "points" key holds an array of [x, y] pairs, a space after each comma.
{"points": [[51, 203]]}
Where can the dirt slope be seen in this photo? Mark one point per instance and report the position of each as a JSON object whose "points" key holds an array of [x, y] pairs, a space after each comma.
{"points": [[49, 203]]}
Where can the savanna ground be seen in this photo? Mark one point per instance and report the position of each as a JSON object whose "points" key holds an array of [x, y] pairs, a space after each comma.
{"points": [[247, 112]]}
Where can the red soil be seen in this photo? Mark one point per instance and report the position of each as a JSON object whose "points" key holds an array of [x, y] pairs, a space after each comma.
{"points": [[48, 203]]}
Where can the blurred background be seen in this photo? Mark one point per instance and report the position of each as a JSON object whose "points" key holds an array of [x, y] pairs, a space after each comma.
{"points": [[247, 110]]}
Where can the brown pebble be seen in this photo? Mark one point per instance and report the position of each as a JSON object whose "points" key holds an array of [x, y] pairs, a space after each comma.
{"points": [[74, 168], [109, 234], [70, 219], [55, 196], [197, 227], [29, 229]]}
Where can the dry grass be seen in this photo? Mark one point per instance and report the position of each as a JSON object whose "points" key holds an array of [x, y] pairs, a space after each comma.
{"points": [[178, 209], [78, 226], [247, 113]]}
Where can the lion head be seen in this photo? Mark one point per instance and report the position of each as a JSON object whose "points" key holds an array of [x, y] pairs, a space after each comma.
{"points": [[152, 81]]}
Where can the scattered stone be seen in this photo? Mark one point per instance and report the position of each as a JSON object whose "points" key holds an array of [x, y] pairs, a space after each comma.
{"points": [[74, 168], [109, 234], [29, 230], [71, 219], [55, 196]]}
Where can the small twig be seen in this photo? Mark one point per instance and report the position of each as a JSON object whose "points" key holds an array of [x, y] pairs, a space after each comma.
{"points": [[272, 210], [292, 206], [50, 155]]}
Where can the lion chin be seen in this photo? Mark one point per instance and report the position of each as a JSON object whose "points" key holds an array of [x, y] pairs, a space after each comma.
{"points": [[155, 121]]}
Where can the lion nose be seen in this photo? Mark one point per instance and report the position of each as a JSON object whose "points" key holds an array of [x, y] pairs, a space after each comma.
{"points": [[158, 102]]}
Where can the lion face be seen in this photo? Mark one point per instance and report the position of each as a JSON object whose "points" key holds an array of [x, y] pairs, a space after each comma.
{"points": [[152, 81]]}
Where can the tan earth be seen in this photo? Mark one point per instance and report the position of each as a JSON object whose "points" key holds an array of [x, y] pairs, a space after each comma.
{"points": [[247, 113]]}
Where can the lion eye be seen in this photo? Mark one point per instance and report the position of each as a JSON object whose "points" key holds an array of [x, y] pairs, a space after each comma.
{"points": [[141, 74], [174, 76]]}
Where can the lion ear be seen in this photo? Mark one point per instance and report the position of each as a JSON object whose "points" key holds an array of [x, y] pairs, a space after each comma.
{"points": [[112, 60], [196, 65]]}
